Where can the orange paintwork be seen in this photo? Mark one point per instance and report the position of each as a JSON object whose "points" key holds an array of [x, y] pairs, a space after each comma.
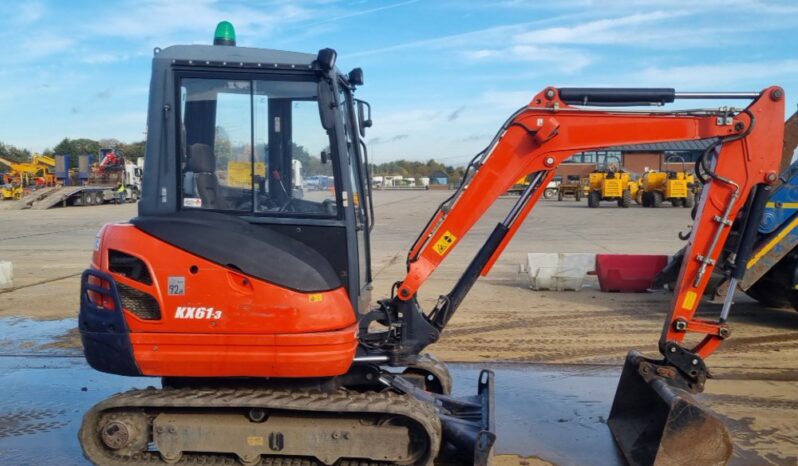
{"points": [[549, 131], [262, 330], [228, 355]]}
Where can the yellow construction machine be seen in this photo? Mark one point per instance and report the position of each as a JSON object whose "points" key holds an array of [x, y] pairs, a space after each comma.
{"points": [[37, 172], [10, 189], [676, 187], [610, 183]]}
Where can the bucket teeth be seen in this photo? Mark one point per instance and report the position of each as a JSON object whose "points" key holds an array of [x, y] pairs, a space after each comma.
{"points": [[656, 421]]}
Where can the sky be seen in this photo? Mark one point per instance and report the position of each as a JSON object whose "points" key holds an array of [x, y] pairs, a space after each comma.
{"points": [[441, 75]]}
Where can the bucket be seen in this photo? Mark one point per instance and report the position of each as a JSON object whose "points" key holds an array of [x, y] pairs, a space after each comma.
{"points": [[656, 421]]}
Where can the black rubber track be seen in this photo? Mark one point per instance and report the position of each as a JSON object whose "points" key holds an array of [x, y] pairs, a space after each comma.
{"points": [[342, 401]]}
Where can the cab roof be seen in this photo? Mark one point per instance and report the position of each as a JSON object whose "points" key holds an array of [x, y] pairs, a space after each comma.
{"points": [[232, 55]]}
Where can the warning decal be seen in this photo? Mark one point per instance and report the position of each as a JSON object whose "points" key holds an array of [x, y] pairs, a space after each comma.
{"points": [[444, 243]]}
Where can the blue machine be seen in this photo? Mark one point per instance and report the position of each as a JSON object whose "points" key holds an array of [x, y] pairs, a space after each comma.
{"points": [[783, 203], [771, 275]]}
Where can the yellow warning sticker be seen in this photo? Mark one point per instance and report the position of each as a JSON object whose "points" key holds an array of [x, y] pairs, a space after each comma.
{"points": [[316, 298], [255, 441], [689, 300], [444, 243]]}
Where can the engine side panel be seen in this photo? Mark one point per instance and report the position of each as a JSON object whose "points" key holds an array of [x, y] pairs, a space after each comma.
{"points": [[214, 321]]}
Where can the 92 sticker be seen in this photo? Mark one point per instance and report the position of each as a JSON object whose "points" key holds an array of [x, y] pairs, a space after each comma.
{"points": [[176, 286]]}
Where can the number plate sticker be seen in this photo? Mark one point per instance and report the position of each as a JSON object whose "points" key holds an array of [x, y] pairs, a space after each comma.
{"points": [[177, 286]]}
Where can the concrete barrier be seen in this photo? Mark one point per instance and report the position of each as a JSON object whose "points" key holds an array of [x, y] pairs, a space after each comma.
{"points": [[558, 271], [6, 275]]}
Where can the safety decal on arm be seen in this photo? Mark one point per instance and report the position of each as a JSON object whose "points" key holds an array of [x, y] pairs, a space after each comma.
{"points": [[444, 243]]}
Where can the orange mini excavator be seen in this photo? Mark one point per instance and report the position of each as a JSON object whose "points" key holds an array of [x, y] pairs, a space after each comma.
{"points": [[251, 299]]}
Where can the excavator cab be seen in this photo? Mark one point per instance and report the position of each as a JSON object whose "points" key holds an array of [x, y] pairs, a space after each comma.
{"points": [[243, 122], [223, 245]]}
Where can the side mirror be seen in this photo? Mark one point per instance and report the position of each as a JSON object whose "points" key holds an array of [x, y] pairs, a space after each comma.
{"points": [[326, 104], [325, 156], [363, 116]]}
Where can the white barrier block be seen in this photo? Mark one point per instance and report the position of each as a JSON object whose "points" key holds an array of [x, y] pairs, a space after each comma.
{"points": [[6, 275], [559, 271]]}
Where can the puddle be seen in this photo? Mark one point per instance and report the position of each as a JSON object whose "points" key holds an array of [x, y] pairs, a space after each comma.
{"points": [[43, 402], [19, 336], [555, 413]]}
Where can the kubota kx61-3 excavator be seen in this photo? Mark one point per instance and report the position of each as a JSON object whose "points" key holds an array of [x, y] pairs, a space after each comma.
{"points": [[252, 303]]}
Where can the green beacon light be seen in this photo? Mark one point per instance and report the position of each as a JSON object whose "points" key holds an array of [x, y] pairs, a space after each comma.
{"points": [[225, 34]]}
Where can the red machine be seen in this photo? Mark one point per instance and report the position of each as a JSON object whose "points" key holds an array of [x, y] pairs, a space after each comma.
{"points": [[254, 305], [110, 161]]}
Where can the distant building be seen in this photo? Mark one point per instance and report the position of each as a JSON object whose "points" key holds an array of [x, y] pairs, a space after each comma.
{"points": [[439, 177], [637, 158]]}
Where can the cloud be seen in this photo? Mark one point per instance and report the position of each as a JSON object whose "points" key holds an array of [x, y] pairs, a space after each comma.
{"points": [[716, 75], [455, 114], [368, 11], [562, 48], [104, 58], [166, 20], [378, 140], [30, 12], [628, 30], [163, 18], [564, 59], [494, 34], [42, 44]]}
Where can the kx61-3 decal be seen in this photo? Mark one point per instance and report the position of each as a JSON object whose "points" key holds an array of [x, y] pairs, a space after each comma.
{"points": [[185, 312]]}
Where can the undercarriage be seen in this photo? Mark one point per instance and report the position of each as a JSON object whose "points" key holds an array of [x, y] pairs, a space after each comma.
{"points": [[312, 424]]}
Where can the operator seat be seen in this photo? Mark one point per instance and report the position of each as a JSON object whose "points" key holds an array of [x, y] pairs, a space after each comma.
{"points": [[202, 164]]}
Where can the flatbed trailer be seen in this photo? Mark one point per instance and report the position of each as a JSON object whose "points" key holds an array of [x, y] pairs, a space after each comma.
{"points": [[81, 196], [66, 196]]}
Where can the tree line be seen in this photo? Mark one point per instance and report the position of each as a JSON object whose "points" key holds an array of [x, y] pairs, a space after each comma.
{"points": [[417, 169]]}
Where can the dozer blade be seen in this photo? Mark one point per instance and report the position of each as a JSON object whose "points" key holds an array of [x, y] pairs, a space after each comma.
{"points": [[468, 423], [656, 421]]}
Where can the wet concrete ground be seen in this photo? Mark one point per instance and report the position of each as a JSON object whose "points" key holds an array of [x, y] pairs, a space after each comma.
{"points": [[552, 412]]}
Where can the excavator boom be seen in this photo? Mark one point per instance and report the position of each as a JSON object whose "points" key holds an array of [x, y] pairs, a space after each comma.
{"points": [[653, 408]]}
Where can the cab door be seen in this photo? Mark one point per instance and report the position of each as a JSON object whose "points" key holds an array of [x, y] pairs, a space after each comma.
{"points": [[360, 199]]}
